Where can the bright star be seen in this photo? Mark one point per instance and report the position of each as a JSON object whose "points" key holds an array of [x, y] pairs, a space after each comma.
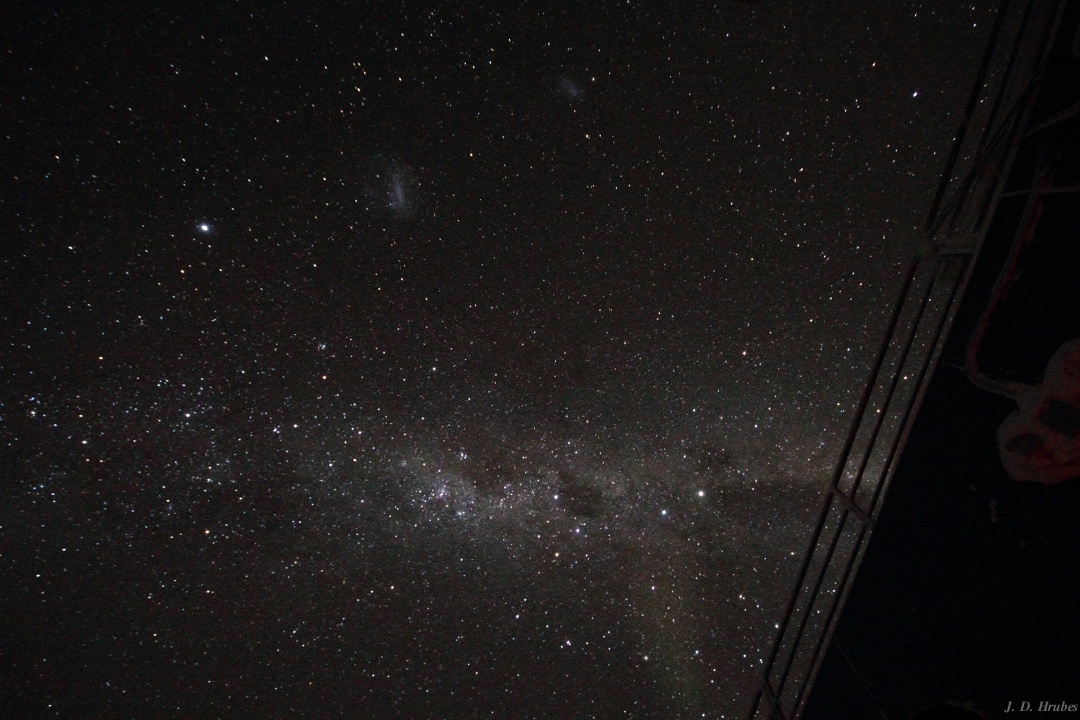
{"points": [[204, 227]]}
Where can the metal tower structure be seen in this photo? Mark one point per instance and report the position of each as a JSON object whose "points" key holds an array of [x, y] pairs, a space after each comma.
{"points": [[997, 119]]}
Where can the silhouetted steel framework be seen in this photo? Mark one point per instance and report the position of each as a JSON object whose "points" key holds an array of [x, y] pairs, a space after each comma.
{"points": [[960, 213]]}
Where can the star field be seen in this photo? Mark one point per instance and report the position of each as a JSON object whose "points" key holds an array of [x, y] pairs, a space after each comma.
{"points": [[418, 362]]}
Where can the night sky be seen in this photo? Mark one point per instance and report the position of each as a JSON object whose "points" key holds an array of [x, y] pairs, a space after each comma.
{"points": [[380, 360]]}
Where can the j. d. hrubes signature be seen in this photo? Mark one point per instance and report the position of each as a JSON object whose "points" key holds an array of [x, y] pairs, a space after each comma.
{"points": [[1041, 706]]}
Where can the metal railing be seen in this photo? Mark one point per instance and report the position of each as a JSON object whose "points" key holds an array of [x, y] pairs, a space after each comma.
{"points": [[961, 212]]}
